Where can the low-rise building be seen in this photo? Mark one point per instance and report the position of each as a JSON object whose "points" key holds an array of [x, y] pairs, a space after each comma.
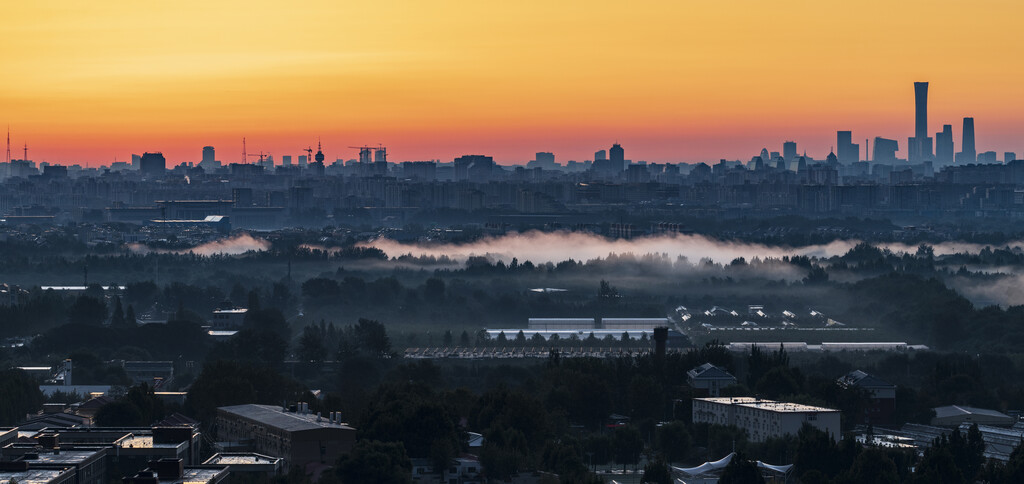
{"points": [[248, 463], [881, 396], [152, 373], [89, 465], [37, 476], [300, 438], [174, 471], [228, 318], [955, 415], [710, 377], [764, 419]]}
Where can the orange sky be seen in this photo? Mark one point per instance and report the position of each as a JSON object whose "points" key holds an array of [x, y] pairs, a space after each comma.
{"points": [[670, 80]]}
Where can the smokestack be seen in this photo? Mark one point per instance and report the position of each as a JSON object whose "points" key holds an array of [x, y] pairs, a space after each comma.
{"points": [[67, 372], [660, 339]]}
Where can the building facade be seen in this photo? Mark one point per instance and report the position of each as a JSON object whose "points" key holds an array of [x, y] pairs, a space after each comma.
{"points": [[764, 419]]}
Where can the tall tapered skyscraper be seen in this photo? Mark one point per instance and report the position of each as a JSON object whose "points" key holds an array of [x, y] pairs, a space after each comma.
{"points": [[919, 148], [968, 153]]}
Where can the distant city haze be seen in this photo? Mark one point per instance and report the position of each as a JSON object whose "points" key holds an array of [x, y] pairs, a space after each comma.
{"points": [[670, 81]]}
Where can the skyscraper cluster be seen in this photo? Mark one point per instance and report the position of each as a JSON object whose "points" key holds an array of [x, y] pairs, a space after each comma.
{"points": [[920, 147]]}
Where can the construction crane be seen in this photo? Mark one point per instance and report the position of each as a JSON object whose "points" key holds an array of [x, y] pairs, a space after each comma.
{"points": [[261, 155], [309, 154], [364, 153]]}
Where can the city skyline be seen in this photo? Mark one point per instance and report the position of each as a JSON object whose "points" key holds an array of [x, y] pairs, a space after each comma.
{"points": [[669, 82]]}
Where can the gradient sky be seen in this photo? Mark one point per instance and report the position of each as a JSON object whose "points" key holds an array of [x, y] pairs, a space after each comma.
{"points": [[670, 80]]}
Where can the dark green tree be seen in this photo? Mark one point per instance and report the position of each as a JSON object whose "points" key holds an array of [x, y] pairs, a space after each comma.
{"points": [[375, 461], [19, 395], [117, 319], [741, 471], [88, 310], [657, 471], [129, 317]]}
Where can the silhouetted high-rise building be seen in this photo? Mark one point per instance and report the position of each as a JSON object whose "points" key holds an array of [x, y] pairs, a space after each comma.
{"points": [[789, 151], [615, 163], [944, 145], [885, 150], [919, 148], [617, 156], [849, 152], [1009, 156], [209, 161], [988, 157], [968, 153], [600, 155], [286, 160], [303, 159], [152, 164], [477, 168]]}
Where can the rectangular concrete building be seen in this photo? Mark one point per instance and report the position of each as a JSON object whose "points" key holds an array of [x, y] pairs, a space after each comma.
{"points": [[547, 324], [764, 419], [300, 438], [634, 324]]}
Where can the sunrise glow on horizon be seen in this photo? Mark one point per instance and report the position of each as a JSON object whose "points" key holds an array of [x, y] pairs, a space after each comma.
{"points": [[671, 81]]}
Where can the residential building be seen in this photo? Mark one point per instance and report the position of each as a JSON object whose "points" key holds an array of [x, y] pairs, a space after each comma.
{"points": [[764, 419], [711, 378]]}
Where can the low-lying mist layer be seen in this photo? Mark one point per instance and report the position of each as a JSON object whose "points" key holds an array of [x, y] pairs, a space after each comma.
{"points": [[234, 245], [542, 247]]}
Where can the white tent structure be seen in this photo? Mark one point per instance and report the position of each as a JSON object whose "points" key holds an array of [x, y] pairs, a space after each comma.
{"points": [[708, 472]]}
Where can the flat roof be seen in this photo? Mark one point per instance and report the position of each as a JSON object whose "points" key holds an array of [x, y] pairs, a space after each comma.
{"points": [[273, 416], [32, 476], [194, 475], [67, 456], [144, 442], [241, 458], [214, 332], [769, 405]]}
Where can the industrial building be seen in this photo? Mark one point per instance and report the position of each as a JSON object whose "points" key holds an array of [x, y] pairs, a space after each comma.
{"points": [[548, 324], [634, 324], [298, 437], [957, 415], [764, 419]]}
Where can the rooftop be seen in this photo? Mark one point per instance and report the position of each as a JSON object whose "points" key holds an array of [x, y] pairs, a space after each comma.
{"points": [[67, 456], [194, 475], [863, 380], [240, 459], [273, 416], [707, 370], [956, 410], [31, 476], [769, 405]]}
